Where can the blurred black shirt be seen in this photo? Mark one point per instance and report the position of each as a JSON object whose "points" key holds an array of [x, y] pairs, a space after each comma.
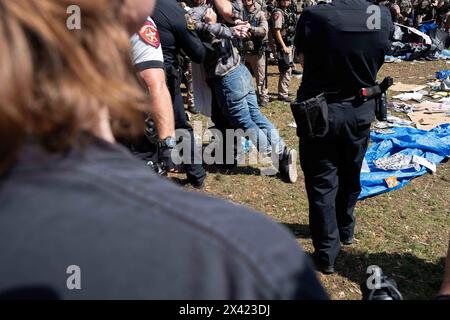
{"points": [[135, 235]]}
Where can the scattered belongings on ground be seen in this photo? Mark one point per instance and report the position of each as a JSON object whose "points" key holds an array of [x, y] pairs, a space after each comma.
{"points": [[411, 44], [425, 114], [401, 154], [401, 87]]}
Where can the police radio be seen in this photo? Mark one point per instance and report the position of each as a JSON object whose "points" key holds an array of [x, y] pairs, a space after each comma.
{"points": [[378, 92]]}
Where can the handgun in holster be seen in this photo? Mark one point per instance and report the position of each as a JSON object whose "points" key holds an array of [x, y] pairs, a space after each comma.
{"points": [[378, 93], [283, 61]]}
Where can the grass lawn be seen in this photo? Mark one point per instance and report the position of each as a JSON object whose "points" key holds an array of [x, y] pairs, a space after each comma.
{"points": [[405, 232]]}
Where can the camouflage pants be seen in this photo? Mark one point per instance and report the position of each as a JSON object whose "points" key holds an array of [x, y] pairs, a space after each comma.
{"points": [[187, 70]]}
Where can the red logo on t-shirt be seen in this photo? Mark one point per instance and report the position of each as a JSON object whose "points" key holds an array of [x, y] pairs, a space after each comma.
{"points": [[149, 33]]}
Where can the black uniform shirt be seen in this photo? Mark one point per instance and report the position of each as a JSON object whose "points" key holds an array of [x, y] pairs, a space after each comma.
{"points": [[135, 236], [170, 18], [342, 54]]}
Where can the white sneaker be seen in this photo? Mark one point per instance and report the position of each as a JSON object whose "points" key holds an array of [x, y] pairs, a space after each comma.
{"points": [[293, 174]]}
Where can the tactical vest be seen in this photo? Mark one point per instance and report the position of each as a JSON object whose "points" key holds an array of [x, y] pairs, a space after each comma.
{"points": [[254, 45], [289, 26]]}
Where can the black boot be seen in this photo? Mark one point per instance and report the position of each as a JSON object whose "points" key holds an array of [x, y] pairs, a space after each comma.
{"points": [[321, 266]]}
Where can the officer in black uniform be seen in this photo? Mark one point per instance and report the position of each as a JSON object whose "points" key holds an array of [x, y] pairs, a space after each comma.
{"points": [[342, 49], [175, 35]]}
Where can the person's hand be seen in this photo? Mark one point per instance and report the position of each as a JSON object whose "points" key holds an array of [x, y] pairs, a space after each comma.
{"points": [[239, 22], [165, 158], [242, 30], [286, 50], [210, 16]]}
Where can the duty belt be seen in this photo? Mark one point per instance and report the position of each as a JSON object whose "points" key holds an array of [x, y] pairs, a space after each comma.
{"points": [[363, 94], [342, 97]]}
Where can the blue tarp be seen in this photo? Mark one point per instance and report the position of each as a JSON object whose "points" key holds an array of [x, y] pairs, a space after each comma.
{"points": [[443, 74], [432, 145], [427, 27]]}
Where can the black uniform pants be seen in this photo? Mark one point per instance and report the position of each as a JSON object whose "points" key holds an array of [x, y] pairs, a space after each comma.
{"points": [[332, 167], [196, 174]]}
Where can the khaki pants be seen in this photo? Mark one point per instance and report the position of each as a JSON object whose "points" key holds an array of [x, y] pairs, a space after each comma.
{"points": [[285, 79], [257, 64]]}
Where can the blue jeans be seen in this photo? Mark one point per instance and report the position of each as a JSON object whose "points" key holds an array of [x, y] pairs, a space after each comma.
{"points": [[238, 101]]}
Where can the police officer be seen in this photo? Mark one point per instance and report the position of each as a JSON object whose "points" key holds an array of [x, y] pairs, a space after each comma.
{"points": [[186, 67], [297, 7], [284, 25], [340, 54], [148, 61], [255, 47], [270, 7], [175, 35]]}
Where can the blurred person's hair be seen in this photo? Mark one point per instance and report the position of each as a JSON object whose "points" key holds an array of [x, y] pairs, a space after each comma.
{"points": [[54, 82]]}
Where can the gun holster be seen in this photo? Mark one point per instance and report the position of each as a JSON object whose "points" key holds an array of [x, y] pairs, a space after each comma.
{"points": [[378, 93], [284, 64], [311, 117]]}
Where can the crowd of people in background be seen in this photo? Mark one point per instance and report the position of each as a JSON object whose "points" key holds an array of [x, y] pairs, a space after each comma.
{"points": [[416, 12]]}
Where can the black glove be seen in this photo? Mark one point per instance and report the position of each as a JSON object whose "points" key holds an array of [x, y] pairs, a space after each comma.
{"points": [[165, 159]]}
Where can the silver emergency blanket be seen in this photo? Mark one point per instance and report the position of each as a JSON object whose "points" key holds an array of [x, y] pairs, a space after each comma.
{"points": [[396, 162]]}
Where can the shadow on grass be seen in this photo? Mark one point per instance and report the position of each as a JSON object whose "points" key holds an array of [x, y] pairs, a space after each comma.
{"points": [[416, 278], [300, 231], [233, 170]]}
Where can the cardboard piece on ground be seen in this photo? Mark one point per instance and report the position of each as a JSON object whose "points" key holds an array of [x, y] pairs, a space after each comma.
{"points": [[408, 96], [401, 87], [426, 121]]}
